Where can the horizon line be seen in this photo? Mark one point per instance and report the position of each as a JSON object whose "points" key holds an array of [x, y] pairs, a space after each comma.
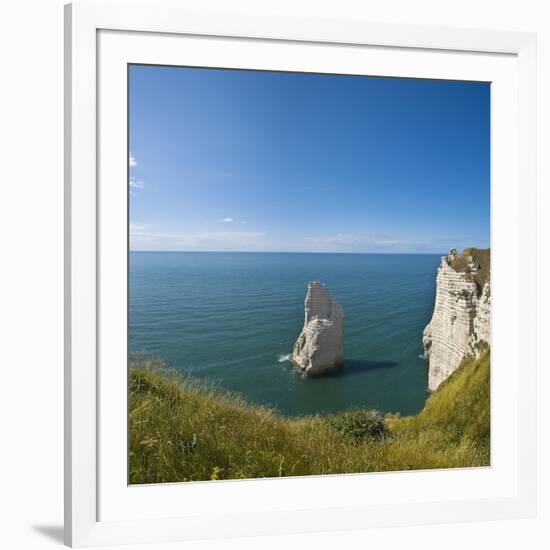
{"points": [[285, 252]]}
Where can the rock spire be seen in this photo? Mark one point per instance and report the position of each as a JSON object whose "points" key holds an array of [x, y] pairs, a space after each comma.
{"points": [[320, 346]]}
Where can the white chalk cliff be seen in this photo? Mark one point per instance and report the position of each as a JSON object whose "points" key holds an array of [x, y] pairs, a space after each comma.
{"points": [[461, 321], [320, 346]]}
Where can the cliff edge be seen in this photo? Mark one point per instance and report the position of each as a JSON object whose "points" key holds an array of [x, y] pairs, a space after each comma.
{"points": [[320, 346], [461, 321]]}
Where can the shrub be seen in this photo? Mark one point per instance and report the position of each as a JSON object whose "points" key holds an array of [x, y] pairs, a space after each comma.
{"points": [[360, 424]]}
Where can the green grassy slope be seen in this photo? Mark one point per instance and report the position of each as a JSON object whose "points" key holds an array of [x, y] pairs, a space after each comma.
{"points": [[183, 430], [482, 256]]}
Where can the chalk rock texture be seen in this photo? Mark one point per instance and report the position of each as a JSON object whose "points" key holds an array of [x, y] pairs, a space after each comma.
{"points": [[461, 321], [320, 346]]}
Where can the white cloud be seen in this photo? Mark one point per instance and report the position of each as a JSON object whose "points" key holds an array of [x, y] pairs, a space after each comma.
{"points": [[388, 242], [136, 228], [132, 161], [233, 220], [348, 242], [147, 237], [136, 184], [338, 239]]}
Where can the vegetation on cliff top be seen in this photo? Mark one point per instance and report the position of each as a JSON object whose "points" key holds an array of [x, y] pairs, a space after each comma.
{"points": [[184, 430], [481, 256]]}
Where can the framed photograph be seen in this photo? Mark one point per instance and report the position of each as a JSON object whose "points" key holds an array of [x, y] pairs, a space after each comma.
{"points": [[300, 287]]}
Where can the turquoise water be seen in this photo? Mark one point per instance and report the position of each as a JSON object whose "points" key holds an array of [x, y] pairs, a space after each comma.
{"points": [[233, 318]]}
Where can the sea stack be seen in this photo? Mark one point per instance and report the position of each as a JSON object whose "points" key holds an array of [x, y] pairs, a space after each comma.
{"points": [[320, 346], [461, 321]]}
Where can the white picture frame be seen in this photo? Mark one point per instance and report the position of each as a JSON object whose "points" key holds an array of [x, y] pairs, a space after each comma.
{"points": [[94, 472]]}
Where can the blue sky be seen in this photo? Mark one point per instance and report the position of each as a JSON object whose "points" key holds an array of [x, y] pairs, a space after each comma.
{"points": [[267, 161]]}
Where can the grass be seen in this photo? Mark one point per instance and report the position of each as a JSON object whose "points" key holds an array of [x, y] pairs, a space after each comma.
{"points": [[184, 430], [482, 256]]}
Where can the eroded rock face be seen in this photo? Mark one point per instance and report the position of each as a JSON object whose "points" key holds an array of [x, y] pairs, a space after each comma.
{"points": [[461, 322], [320, 346]]}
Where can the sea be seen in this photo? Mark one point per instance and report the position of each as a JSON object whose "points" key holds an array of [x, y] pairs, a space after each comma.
{"points": [[232, 318]]}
